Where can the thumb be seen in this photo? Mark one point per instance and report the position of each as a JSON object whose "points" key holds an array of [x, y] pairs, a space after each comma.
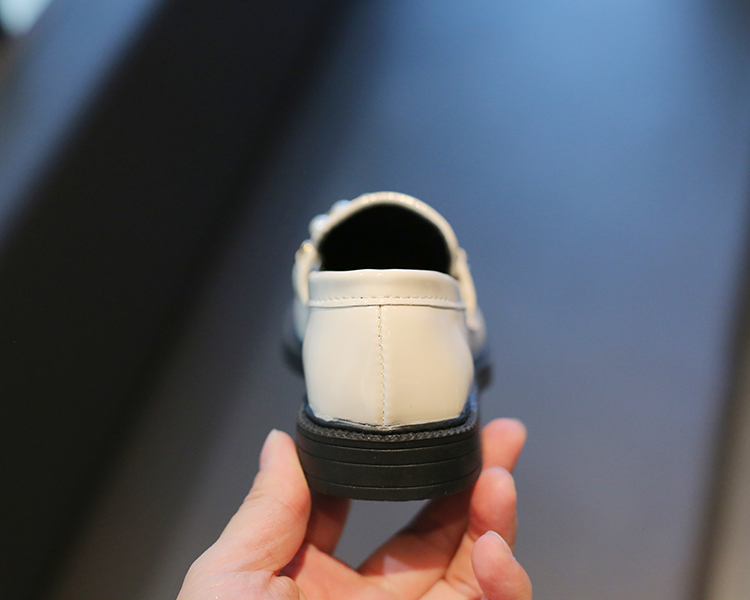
{"points": [[269, 527]]}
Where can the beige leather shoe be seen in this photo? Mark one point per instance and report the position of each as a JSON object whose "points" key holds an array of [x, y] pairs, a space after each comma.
{"points": [[385, 312]]}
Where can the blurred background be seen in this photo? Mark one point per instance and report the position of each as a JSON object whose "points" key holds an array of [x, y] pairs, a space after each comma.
{"points": [[160, 161]]}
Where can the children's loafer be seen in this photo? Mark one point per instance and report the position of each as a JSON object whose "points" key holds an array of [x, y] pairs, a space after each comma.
{"points": [[386, 318]]}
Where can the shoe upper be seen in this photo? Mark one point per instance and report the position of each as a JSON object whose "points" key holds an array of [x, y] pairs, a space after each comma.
{"points": [[386, 311]]}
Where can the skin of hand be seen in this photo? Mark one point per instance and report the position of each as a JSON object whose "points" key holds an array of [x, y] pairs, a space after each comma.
{"points": [[279, 545]]}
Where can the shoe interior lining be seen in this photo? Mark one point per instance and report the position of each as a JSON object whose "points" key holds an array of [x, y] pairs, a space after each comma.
{"points": [[385, 237]]}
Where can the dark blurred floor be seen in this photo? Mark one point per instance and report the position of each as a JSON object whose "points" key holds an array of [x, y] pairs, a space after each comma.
{"points": [[593, 159]]}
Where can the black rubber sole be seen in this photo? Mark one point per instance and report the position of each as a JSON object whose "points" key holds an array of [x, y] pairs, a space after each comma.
{"points": [[371, 464]]}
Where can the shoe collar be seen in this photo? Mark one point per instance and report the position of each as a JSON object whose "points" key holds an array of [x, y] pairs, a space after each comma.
{"points": [[307, 258]]}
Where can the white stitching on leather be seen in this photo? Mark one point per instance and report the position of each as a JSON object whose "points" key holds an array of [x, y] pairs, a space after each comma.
{"points": [[385, 297], [433, 301], [382, 354]]}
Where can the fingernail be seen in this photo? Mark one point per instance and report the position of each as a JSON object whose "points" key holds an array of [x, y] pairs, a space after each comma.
{"points": [[502, 541], [269, 446]]}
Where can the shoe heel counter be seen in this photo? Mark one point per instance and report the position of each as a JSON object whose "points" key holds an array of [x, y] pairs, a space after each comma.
{"points": [[387, 364]]}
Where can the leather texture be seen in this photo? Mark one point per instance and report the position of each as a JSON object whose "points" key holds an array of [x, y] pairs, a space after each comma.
{"points": [[386, 348], [389, 347]]}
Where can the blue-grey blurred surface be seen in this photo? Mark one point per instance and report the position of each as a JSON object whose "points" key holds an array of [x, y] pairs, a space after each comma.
{"points": [[593, 160]]}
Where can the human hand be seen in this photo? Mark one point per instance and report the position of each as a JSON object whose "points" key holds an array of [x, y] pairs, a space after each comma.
{"points": [[279, 544]]}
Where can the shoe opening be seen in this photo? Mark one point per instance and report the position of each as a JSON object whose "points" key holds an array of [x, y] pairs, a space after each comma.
{"points": [[385, 236]]}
